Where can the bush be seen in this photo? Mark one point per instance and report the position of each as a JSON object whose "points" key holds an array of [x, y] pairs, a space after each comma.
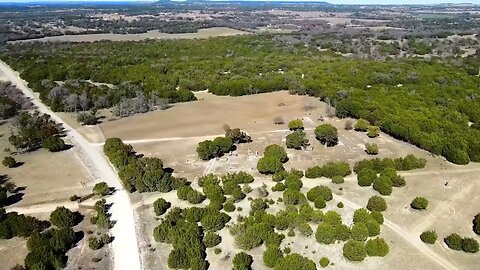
{"points": [[305, 229], [327, 134], [269, 165], [338, 179], [320, 191], [340, 205], [293, 182], [101, 189], [325, 233], [383, 185], [54, 144], [160, 206], [295, 124], [324, 262], [217, 251], [293, 197], [87, 118], [271, 255], [371, 148], [469, 245], [453, 241], [429, 237], [377, 216], [366, 177], [275, 150], [377, 203], [297, 140], [214, 220], [320, 203], [218, 147], [361, 125], [178, 259], [354, 251], [9, 162], [62, 217], [295, 262], [373, 228], [398, 181], [373, 131], [342, 232], [279, 187], [419, 203], [361, 215], [359, 231], [476, 224], [211, 239], [377, 247], [229, 207], [242, 261]]}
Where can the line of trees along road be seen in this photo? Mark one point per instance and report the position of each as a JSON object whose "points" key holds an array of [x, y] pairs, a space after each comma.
{"points": [[432, 103]]}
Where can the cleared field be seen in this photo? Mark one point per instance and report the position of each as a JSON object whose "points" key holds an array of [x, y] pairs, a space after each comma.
{"points": [[174, 135], [202, 33], [206, 116]]}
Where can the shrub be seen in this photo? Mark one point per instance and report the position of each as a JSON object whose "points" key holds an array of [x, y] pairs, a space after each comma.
{"points": [[9, 162], [377, 247], [398, 181], [295, 124], [62, 217], [373, 228], [320, 191], [160, 206], [229, 207], [293, 182], [295, 262], [469, 245], [54, 144], [214, 220], [242, 261], [271, 255], [327, 134], [376, 203], [101, 189], [217, 251], [366, 177], [269, 165], [361, 215], [342, 232], [275, 150], [320, 203], [476, 224], [178, 259], [453, 241], [211, 239], [361, 125], [429, 237], [419, 203], [373, 131], [87, 118], [293, 197], [354, 251], [324, 262], [359, 231], [305, 229], [218, 147], [279, 187], [325, 233], [340, 205], [338, 179], [297, 140], [333, 218], [377, 216], [383, 185], [371, 148]]}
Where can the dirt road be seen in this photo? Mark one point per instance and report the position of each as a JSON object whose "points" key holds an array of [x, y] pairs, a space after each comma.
{"points": [[125, 246]]}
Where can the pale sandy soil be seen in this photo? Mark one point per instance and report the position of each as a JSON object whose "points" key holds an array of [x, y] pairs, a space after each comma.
{"points": [[202, 33]]}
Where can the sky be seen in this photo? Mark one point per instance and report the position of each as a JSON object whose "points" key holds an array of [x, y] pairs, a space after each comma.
{"points": [[385, 2]]}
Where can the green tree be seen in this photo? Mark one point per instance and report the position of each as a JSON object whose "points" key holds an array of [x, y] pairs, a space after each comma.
{"points": [[354, 251], [295, 124], [371, 148], [211, 239], [325, 233], [419, 203], [62, 217], [178, 259], [383, 185], [295, 261], [269, 165], [242, 261], [160, 206], [207, 150], [453, 241], [54, 144], [361, 125], [271, 255], [297, 140], [377, 203], [469, 245], [366, 177], [9, 162], [429, 237], [359, 232], [275, 150], [377, 247], [324, 262], [327, 134], [320, 191], [373, 131], [101, 189]]}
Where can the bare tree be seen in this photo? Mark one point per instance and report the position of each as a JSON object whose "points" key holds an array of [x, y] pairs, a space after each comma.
{"points": [[349, 124], [278, 120]]}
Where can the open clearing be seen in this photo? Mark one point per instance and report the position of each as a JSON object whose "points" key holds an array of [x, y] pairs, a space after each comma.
{"points": [[174, 134], [202, 33]]}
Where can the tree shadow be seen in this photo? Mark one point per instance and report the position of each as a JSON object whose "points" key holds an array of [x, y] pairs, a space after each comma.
{"points": [[78, 217], [15, 198], [78, 237]]}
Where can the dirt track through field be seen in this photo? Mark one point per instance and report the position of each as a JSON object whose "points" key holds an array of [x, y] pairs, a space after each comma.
{"points": [[126, 254]]}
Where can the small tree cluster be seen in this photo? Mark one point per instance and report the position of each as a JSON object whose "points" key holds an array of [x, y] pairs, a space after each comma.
{"points": [[102, 217], [295, 261], [273, 157], [13, 224], [97, 243], [189, 194], [456, 242], [409, 162], [208, 149], [327, 134], [329, 170]]}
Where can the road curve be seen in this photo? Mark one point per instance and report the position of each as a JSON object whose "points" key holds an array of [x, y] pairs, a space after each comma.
{"points": [[126, 255]]}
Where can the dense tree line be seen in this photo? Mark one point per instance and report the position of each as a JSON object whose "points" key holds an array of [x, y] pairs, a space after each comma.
{"points": [[329, 170], [140, 173], [409, 162], [431, 108]]}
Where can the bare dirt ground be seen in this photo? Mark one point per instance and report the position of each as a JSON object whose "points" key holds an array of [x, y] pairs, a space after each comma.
{"points": [[202, 33], [173, 136]]}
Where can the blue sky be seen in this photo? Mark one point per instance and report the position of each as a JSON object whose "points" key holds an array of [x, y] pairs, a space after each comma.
{"points": [[331, 1]]}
